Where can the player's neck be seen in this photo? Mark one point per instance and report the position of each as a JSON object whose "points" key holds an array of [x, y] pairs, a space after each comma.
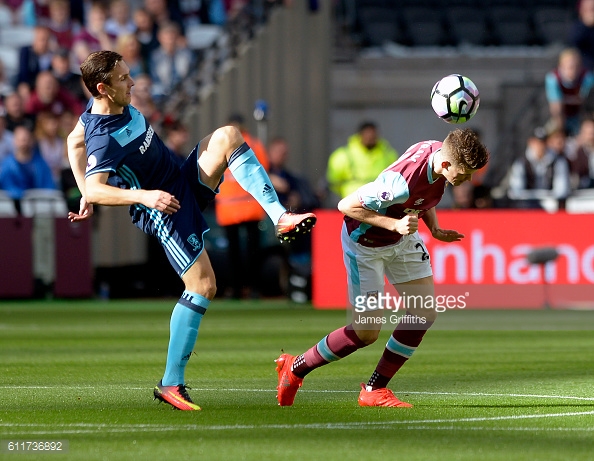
{"points": [[104, 106], [436, 167]]}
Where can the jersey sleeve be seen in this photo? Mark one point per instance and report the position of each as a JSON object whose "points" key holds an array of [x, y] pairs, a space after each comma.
{"points": [[100, 158], [389, 188]]}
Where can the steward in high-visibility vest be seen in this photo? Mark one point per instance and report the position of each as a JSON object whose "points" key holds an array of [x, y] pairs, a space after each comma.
{"points": [[359, 162]]}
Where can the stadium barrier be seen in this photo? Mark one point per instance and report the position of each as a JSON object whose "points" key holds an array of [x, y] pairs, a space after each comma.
{"points": [[490, 267], [45, 250]]}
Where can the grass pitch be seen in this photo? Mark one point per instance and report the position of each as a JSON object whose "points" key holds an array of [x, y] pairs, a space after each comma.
{"points": [[486, 385]]}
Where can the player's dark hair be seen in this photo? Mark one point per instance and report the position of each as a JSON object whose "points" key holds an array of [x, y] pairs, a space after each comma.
{"points": [[466, 149], [97, 69]]}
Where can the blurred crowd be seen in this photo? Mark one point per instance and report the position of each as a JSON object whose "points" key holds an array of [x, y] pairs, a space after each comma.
{"points": [[41, 100]]}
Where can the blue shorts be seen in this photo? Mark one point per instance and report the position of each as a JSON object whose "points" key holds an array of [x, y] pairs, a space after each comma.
{"points": [[182, 233]]}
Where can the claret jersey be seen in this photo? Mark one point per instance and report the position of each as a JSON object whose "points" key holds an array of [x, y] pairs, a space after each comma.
{"points": [[127, 147], [405, 187]]}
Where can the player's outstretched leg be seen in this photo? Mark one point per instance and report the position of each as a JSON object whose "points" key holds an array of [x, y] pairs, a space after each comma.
{"points": [[291, 370], [226, 147]]}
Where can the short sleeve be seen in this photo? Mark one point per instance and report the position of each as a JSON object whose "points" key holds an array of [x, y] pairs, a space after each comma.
{"points": [[389, 188]]}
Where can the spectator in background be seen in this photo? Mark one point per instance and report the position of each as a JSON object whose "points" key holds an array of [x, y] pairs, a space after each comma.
{"points": [[93, 36], [581, 35], [15, 113], [580, 153], [60, 23], [164, 12], [238, 213], [6, 138], [294, 192], [482, 197], [51, 145], [24, 168], [129, 47], [67, 79], [540, 173], [176, 137], [33, 59], [196, 12], [362, 159], [171, 62], [146, 33], [142, 99], [567, 87], [48, 96], [119, 21], [6, 86]]}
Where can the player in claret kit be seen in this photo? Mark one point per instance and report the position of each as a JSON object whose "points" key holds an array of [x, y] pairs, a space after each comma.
{"points": [[117, 159], [380, 239]]}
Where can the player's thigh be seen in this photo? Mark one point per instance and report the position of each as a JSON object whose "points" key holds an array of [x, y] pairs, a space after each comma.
{"points": [[409, 261], [213, 154], [364, 268], [409, 271], [419, 297], [200, 277], [365, 280]]}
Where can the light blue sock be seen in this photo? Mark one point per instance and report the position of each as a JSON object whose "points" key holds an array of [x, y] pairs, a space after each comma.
{"points": [[183, 331], [251, 175]]}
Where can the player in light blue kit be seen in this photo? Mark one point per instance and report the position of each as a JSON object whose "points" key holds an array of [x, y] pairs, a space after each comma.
{"points": [[118, 159]]}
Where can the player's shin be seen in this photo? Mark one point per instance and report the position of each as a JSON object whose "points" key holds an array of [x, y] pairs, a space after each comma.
{"points": [[184, 324], [252, 176], [400, 347], [333, 347]]}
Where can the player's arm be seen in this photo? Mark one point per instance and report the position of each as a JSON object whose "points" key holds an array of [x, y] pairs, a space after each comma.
{"points": [[100, 193], [352, 206], [77, 156], [445, 235]]}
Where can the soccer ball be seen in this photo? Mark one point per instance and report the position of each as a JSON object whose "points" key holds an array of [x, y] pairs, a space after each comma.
{"points": [[455, 99]]}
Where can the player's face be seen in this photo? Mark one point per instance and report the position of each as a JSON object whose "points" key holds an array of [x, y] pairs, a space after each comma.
{"points": [[119, 90], [456, 175]]}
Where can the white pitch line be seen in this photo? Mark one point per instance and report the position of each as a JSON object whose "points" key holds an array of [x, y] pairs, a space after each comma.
{"points": [[323, 391], [125, 428]]}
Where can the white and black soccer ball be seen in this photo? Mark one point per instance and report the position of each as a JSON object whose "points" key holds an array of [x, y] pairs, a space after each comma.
{"points": [[455, 98]]}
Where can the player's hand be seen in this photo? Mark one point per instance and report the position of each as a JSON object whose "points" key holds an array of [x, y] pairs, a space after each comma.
{"points": [[446, 235], [161, 201], [407, 225], [85, 211]]}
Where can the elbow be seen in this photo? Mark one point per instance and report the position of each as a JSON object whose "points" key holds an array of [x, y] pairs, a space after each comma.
{"points": [[91, 195], [343, 206]]}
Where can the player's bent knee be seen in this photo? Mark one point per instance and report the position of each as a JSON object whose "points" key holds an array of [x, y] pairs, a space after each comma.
{"points": [[227, 138], [430, 315], [368, 336]]}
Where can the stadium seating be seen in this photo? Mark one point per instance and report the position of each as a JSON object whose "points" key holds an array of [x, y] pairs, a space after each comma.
{"points": [[459, 22], [7, 208], [16, 36], [424, 26], [44, 202], [467, 25], [380, 24], [552, 24]]}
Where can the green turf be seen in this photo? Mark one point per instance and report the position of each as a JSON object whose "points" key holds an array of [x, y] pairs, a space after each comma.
{"points": [[482, 389]]}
